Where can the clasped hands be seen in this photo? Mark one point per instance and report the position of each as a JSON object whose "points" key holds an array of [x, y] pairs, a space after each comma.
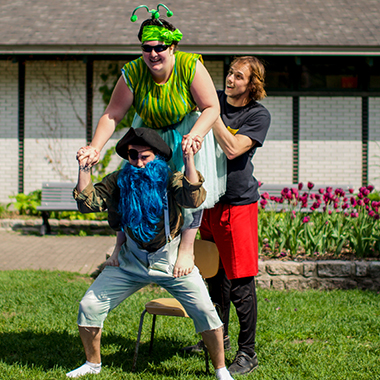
{"points": [[88, 156], [193, 142]]}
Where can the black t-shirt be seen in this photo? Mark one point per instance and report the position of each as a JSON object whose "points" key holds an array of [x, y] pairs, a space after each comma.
{"points": [[252, 120]]}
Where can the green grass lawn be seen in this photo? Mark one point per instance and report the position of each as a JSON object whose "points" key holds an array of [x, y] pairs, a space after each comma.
{"points": [[300, 335]]}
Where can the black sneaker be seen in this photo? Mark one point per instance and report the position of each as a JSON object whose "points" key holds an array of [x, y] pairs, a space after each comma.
{"points": [[243, 364], [200, 345]]}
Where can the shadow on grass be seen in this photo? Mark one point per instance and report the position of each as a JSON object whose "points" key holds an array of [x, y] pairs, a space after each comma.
{"points": [[61, 349]]}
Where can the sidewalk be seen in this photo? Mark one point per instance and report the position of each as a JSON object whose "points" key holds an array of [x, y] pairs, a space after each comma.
{"points": [[66, 253]]}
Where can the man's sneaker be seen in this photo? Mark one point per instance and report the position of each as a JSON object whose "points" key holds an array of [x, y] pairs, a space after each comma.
{"points": [[200, 345], [243, 364]]}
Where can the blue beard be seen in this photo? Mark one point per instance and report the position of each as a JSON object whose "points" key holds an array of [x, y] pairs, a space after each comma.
{"points": [[141, 197]]}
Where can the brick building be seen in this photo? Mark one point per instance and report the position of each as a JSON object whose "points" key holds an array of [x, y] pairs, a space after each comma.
{"points": [[323, 81]]}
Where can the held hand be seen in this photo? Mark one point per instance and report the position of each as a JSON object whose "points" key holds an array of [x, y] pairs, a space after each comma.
{"points": [[197, 143], [89, 154], [191, 142]]}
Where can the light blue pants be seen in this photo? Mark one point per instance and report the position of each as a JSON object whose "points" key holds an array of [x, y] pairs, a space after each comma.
{"points": [[139, 268]]}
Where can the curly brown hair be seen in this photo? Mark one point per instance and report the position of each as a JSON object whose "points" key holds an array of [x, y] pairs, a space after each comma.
{"points": [[257, 75], [157, 22]]}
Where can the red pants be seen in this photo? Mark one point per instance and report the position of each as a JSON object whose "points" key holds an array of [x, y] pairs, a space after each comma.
{"points": [[234, 230]]}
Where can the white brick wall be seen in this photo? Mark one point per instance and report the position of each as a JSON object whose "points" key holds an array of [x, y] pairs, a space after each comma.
{"points": [[330, 140], [8, 130], [374, 143], [273, 161], [55, 117], [330, 129]]}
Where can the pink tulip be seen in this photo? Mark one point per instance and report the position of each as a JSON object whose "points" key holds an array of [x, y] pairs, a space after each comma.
{"points": [[306, 219], [300, 186], [351, 191], [310, 185], [321, 191]]}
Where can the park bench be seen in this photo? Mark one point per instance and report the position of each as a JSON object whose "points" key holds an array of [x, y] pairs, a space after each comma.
{"points": [[275, 190], [56, 196]]}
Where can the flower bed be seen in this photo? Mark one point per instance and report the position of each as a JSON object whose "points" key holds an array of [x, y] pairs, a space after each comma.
{"points": [[338, 224]]}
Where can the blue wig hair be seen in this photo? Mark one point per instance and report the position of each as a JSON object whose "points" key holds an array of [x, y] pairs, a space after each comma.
{"points": [[141, 197]]}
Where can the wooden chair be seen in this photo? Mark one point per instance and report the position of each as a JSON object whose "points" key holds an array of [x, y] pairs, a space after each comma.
{"points": [[207, 260]]}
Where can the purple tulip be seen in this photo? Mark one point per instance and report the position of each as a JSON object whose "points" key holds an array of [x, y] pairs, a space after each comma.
{"points": [[365, 192], [354, 214], [321, 191], [284, 191], [306, 219], [370, 188], [263, 203], [353, 201], [366, 200], [345, 205], [371, 213], [360, 202], [300, 186], [329, 189], [330, 212], [265, 195], [310, 185], [351, 191], [377, 217]]}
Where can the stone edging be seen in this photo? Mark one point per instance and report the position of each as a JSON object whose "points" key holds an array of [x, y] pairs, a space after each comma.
{"points": [[64, 226], [326, 275]]}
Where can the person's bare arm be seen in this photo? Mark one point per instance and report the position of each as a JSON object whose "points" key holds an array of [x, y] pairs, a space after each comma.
{"points": [[84, 175], [113, 259], [204, 94], [232, 145]]}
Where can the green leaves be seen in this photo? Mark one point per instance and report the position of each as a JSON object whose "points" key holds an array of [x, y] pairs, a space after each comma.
{"points": [[318, 233]]}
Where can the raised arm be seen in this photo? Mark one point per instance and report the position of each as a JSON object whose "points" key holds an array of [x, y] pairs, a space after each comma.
{"points": [[121, 101]]}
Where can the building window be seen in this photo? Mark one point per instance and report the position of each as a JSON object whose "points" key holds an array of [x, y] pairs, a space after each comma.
{"points": [[329, 73], [278, 73]]}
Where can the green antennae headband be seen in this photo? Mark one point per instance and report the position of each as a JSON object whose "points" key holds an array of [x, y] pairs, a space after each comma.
{"points": [[155, 32], [155, 14]]}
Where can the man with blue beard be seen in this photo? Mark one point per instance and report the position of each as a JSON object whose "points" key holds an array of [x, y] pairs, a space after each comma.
{"points": [[144, 200]]}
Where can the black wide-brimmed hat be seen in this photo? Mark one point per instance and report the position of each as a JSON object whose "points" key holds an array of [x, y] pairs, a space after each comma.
{"points": [[144, 137]]}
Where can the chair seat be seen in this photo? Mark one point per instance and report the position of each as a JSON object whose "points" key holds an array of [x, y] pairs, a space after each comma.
{"points": [[166, 306]]}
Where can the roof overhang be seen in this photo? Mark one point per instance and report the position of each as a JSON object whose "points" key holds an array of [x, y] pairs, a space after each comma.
{"points": [[202, 49]]}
